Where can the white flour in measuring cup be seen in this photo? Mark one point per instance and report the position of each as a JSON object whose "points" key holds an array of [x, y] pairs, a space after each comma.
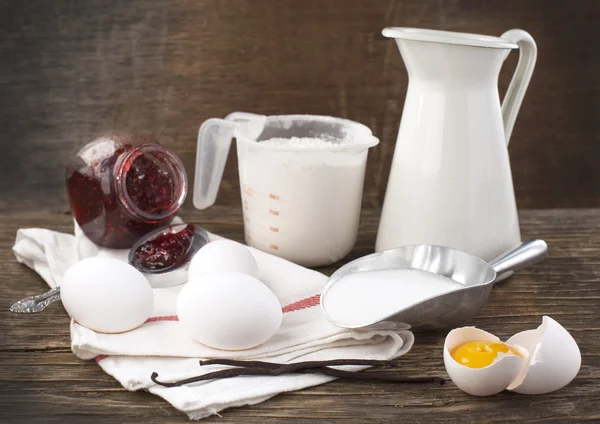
{"points": [[304, 204], [300, 142]]}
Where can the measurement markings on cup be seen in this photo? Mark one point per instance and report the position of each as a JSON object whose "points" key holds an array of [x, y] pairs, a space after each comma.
{"points": [[275, 213], [260, 224]]}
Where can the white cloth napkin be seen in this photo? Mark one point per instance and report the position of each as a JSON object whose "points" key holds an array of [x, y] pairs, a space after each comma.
{"points": [[159, 345]]}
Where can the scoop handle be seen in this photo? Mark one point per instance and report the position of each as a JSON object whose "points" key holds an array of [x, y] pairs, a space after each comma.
{"points": [[527, 253]]}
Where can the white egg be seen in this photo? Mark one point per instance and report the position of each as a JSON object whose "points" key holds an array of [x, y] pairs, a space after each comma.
{"points": [[106, 295], [480, 381], [555, 358], [223, 255], [551, 360], [228, 311]]}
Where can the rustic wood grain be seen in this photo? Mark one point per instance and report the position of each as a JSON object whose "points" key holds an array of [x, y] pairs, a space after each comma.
{"points": [[42, 381], [71, 68]]}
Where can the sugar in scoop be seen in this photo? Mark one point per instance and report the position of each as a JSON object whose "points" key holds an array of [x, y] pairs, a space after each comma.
{"points": [[369, 296]]}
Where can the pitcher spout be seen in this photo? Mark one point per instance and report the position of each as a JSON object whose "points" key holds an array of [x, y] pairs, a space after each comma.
{"points": [[456, 58], [449, 37]]}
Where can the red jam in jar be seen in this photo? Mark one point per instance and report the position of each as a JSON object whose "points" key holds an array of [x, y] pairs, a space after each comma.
{"points": [[122, 186]]}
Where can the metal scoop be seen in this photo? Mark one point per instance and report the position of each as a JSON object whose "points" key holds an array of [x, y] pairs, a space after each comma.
{"points": [[449, 309]]}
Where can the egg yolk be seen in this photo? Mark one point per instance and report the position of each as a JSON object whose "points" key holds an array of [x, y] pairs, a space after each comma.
{"points": [[479, 354]]}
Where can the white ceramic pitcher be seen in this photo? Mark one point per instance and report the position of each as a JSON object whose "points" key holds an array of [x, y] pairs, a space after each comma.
{"points": [[450, 182]]}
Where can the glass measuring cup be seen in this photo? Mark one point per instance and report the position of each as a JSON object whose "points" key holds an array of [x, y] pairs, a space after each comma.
{"points": [[300, 202]]}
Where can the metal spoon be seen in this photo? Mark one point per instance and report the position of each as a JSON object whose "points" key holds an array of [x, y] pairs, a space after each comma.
{"points": [[35, 304], [448, 309], [174, 274], [165, 277]]}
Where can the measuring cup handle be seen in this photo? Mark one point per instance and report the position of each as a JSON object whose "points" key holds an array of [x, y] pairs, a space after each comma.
{"points": [[244, 116], [214, 141], [527, 253]]}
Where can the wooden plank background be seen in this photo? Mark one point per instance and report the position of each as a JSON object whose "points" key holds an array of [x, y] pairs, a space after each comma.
{"points": [[69, 69]]}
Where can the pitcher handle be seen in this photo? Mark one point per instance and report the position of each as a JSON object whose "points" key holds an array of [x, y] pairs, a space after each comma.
{"points": [[518, 85], [214, 141]]}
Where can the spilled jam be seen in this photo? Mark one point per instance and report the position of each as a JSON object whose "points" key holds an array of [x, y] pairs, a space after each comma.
{"points": [[165, 250]]}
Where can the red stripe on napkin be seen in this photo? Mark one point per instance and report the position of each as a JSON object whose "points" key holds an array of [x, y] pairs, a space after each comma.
{"points": [[308, 302], [100, 357]]}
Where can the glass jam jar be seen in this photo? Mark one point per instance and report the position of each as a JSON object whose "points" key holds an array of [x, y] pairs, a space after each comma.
{"points": [[122, 186]]}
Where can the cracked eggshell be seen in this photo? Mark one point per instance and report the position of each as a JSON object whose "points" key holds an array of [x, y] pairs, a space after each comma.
{"points": [[554, 359], [481, 381]]}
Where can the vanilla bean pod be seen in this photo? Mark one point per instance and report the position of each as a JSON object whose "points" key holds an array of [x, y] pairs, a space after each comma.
{"points": [[227, 373], [299, 365], [242, 368], [375, 376], [322, 367]]}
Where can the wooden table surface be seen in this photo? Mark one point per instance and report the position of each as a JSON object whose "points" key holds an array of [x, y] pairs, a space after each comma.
{"points": [[42, 381]]}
